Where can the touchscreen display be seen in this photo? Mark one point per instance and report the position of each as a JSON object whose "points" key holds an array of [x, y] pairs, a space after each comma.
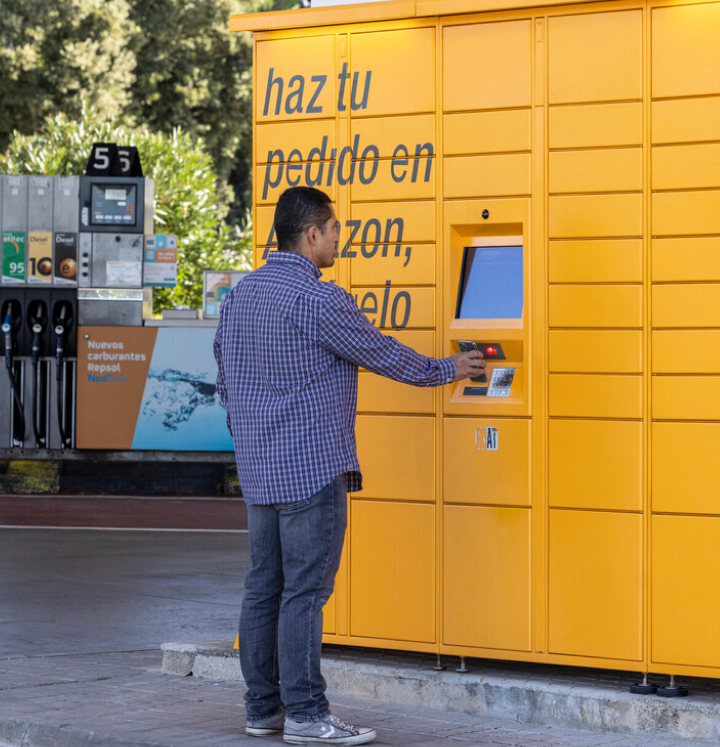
{"points": [[491, 283], [113, 205]]}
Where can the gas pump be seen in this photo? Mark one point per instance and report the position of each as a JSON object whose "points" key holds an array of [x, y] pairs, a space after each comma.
{"points": [[37, 322], [63, 320], [11, 330]]}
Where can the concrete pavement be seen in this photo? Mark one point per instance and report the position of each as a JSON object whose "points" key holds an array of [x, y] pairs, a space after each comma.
{"points": [[83, 615]]}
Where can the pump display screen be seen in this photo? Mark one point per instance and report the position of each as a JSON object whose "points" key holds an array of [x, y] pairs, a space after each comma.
{"points": [[491, 283], [113, 205]]}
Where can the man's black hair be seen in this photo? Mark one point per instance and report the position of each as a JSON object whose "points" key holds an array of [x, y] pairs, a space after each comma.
{"points": [[298, 209]]}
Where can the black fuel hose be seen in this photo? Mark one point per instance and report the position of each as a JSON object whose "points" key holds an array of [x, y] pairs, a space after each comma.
{"points": [[7, 330]]}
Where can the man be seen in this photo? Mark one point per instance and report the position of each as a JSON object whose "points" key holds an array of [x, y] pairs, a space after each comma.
{"points": [[288, 348]]}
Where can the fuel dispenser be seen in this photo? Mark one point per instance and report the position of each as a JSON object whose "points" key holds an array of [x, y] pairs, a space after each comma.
{"points": [[39, 258], [115, 213]]}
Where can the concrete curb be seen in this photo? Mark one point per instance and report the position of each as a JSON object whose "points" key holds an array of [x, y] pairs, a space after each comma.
{"points": [[524, 700]]}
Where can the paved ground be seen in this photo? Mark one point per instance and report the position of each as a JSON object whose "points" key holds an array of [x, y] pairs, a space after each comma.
{"points": [[82, 616]]}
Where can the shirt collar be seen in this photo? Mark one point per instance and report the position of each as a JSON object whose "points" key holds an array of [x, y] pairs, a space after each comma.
{"points": [[293, 258]]}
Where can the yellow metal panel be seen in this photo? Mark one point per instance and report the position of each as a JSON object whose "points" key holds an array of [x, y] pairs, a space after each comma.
{"points": [[595, 584], [596, 306], [393, 307], [474, 474], [686, 120], [391, 134], [595, 126], [378, 394], [486, 132], [273, 179], [685, 213], [385, 443], [691, 305], [486, 577], [596, 351], [685, 51], [486, 176], [373, 264], [601, 216], [500, 55], [596, 261], [599, 396], [614, 170], [685, 259], [686, 166], [402, 221], [595, 57], [596, 464], [423, 341], [412, 175], [685, 602], [686, 397], [686, 351], [392, 586], [293, 141], [401, 69], [263, 229], [685, 468], [296, 78]]}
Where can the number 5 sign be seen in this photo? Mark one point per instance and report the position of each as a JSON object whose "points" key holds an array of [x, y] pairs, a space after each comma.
{"points": [[107, 159]]}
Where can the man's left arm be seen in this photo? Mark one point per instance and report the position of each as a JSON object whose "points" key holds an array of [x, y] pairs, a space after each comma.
{"points": [[220, 381]]}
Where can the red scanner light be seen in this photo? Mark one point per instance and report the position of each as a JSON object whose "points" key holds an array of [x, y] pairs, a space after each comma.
{"points": [[490, 350]]}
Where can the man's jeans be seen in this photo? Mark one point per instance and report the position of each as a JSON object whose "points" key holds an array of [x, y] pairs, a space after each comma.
{"points": [[295, 553]]}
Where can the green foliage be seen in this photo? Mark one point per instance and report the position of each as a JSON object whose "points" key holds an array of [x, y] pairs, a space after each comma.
{"points": [[53, 54], [186, 201]]}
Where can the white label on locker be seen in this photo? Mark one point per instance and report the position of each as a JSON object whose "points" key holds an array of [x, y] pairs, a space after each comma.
{"points": [[501, 382], [486, 439]]}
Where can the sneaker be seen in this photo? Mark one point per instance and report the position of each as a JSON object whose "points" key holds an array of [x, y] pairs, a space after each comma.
{"points": [[328, 730], [267, 726]]}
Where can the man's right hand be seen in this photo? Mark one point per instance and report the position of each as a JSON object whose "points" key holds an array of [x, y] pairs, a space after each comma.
{"points": [[469, 364]]}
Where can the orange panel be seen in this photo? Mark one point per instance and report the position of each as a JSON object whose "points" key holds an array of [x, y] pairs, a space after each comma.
{"points": [[393, 134], [396, 68], [595, 396], [400, 221], [486, 176], [686, 120], [296, 78], [685, 259], [595, 584], [685, 602], [596, 306], [615, 170], [472, 473], [596, 261], [595, 57], [595, 126], [381, 441], [685, 468], [486, 132], [501, 51], [685, 52], [392, 592], [380, 395], [374, 264], [686, 166], [601, 216], [393, 307], [596, 464], [486, 577], [685, 213], [294, 141], [595, 351]]}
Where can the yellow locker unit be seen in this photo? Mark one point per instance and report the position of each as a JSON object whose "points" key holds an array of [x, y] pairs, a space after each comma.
{"points": [[543, 183]]}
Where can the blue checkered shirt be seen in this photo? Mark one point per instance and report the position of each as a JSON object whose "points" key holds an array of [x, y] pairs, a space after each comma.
{"points": [[288, 347]]}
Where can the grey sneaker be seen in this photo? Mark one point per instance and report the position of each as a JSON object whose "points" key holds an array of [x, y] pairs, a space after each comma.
{"points": [[266, 727], [328, 730]]}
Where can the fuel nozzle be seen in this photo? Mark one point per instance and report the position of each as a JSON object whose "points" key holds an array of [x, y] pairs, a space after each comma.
{"points": [[9, 327], [62, 321], [37, 321]]}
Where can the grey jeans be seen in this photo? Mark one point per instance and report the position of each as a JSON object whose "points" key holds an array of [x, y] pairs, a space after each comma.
{"points": [[295, 551]]}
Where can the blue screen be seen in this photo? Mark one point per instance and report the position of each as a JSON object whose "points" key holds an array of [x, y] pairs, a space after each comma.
{"points": [[491, 283]]}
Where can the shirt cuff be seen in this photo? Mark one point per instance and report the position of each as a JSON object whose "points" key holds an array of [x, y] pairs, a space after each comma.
{"points": [[448, 370]]}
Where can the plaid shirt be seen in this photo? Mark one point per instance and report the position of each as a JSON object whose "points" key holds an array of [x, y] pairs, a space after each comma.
{"points": [[288, 347]]}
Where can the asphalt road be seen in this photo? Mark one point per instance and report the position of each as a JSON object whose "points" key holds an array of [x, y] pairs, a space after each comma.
{"points": [[83, 591]]}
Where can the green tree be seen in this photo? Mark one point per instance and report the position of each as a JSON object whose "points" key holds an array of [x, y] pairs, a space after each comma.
{"points": [[186, 201], [53, 54]]}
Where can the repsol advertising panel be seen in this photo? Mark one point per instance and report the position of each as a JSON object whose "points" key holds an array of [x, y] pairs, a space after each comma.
{"points": [[149, 388]]}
